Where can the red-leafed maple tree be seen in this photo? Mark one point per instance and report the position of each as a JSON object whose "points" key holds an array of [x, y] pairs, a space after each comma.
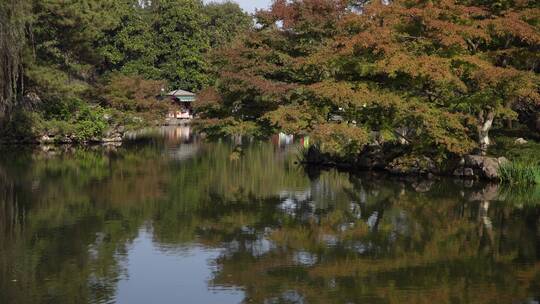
{"points": [[433, 74]]}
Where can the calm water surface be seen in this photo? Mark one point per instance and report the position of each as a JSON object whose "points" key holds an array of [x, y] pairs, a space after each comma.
{"points": [[172, 219]]}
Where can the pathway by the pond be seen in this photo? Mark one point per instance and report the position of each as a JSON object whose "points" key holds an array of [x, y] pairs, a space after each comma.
{"points": [[172, 219]]}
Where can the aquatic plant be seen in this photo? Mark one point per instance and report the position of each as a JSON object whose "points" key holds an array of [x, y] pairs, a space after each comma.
{"points": [[519, 173]]}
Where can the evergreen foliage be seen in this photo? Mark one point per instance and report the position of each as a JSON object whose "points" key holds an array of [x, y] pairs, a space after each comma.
{"points": [[60, 59]]}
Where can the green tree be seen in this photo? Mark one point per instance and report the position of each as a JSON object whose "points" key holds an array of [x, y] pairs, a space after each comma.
{"points": [[130, 47], [182, 41], [225, 21]]}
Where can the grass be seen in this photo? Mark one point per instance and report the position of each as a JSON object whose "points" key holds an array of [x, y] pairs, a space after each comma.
{"points": [[524, 166], [519, 173], [505, 145]]}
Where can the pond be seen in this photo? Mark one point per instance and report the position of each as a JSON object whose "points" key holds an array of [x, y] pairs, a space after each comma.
{"points": [[169, 218]]}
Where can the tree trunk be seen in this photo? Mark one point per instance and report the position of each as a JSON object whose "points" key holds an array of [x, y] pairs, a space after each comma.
{"points": [[485, 122]]}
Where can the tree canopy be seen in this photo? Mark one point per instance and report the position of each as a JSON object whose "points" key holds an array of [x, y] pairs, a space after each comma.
{"points": [[436, 74]]}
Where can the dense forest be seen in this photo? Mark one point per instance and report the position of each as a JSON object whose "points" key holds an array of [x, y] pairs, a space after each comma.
{"points": [[81, 67], [433, 78]]}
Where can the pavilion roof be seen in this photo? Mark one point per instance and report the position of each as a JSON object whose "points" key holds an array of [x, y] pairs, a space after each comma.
{"points": [[178, 93]]}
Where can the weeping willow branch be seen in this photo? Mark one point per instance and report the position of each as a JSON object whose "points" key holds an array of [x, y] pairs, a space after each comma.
{"points": [[14, 16]]}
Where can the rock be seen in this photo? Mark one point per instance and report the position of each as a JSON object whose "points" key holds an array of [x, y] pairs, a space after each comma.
{"points": [[490, 168], [115, 131], [474, 161], [114, 138], [45, 139], [520, 141], [31, 100], [468, 183], [481, 166], [111, 146], [502, 160]]}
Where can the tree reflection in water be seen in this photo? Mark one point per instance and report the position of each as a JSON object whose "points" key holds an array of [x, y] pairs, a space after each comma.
{"points": [[285, 235]]}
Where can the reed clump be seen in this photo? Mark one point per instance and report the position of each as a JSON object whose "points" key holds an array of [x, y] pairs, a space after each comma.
{"points": [[519, 173]]}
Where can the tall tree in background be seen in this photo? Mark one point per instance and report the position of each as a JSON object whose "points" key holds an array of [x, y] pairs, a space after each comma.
{"points": [[170, 39], [130, 47], [181, 41], [225, 21], [66, 33]]}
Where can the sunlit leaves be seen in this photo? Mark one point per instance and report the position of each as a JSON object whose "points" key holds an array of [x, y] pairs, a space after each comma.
{"points": [[340, 140]]}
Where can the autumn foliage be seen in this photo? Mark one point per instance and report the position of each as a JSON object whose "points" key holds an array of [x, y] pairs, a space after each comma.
{"points": [[434, 74], [134, 94]]}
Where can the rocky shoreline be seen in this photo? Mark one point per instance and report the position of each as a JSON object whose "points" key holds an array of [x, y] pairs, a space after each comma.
{"points": [[389, 159], [113, 136]]}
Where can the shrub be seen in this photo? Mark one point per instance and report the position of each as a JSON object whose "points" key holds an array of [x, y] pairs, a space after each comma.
{"points": [[84, 124], [134, 94], [22, 125]]}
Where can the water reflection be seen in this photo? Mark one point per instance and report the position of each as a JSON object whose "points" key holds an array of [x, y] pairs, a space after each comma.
{"points": [[183, 274], [172, 218]]}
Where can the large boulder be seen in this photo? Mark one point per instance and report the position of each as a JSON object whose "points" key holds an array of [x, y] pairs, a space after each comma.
{"points": [[480, 166], [520, 141]]}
